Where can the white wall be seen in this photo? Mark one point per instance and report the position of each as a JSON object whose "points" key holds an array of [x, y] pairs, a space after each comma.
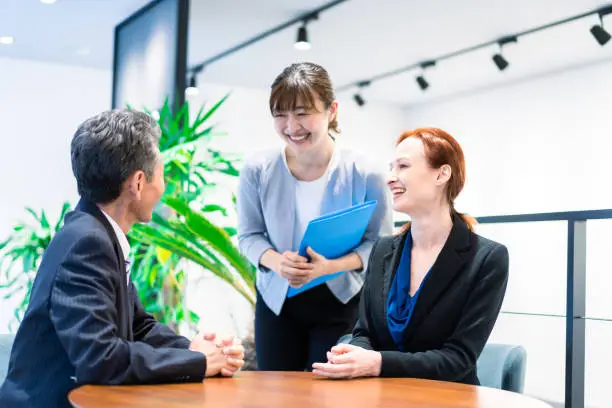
{"points": [[541, 145], [41, 104]]}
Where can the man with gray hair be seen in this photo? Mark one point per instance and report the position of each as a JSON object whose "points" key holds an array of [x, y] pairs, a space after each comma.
{"points": [[84, 323]]}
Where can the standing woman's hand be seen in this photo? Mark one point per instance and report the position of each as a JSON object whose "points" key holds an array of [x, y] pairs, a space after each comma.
{"points": [[295, 268], [320, 265]]}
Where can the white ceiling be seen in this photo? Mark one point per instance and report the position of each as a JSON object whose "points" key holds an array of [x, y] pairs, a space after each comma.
{"points": [[60, 32], [354, 40]]}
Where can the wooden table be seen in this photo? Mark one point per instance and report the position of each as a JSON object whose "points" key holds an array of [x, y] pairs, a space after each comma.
{"points": [[255, 389]]}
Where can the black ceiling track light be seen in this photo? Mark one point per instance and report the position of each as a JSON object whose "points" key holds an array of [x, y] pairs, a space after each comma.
{"points": [[499, 60], [359, 100], [301, 42], [420, 79], [192, 85], [303, 19], [599, 33]]}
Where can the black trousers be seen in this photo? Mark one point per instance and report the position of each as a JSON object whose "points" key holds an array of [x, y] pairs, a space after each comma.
{"points": [[309, 325]]}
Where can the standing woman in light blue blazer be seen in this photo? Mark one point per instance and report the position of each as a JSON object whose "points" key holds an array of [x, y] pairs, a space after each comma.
{"points": [[280, 192]]}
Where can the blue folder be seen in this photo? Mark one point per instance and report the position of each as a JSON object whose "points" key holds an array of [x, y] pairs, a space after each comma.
{"points": [[334, 235]]}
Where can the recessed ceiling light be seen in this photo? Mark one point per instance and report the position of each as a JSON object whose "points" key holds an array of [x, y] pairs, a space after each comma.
{"points": [[7, 40], [48, 1]]}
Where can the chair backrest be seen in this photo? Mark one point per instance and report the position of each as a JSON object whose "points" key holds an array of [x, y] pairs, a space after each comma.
{"points": [[502, 366], [6, 344]]}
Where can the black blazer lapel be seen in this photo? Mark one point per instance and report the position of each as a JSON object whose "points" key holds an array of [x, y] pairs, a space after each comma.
{"points": [[391, 262], [125, 302], [93, 210], [444, 271]]}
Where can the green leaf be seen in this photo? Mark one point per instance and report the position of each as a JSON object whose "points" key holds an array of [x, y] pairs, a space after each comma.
{"points": [[154, 237], [215, 236], [207, 131], [180, 153], [230, 231], [183, 232], [194, 317], [14, 291], [180, 314], [33, 213], [60, 221], [178, 246], [11, 282], [43, 220], [6, 242], [214, 207], [152, 278], [154, 308], [200, 120]]}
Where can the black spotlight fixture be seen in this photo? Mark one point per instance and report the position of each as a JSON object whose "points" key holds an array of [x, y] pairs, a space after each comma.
{"points": [[600, 34], [192, 88], [499, 60], [357, 97], [421, 81], [598, 31], [423, 84], [301, 42]]}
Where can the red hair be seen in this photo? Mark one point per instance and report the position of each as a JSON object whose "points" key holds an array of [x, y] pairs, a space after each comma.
{"points": [[440, 149]]}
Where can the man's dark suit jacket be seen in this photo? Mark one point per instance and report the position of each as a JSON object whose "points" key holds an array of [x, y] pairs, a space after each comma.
{"points": [[85, 325], [454, 314]]}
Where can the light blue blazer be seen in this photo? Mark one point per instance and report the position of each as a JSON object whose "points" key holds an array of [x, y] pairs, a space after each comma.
{"points": [[266, 215]]}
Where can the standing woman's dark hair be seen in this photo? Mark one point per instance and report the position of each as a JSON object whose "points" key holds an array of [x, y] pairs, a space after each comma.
{"points": [[280, 192], [303, 81]]}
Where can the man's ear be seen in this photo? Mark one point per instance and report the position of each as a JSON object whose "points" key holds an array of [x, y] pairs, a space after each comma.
{"points": [[136, 183], [444, 174]]}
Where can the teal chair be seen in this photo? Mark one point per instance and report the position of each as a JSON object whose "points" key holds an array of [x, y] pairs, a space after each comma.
{"points": [[499, 366], [6, 344], [502, 366]]}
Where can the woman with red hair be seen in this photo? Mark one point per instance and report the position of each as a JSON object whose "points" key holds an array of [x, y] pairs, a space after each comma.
{"points": [[434, 290]]}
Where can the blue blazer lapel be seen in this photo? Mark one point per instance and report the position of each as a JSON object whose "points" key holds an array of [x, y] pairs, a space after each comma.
{"points": [[333, 199], [284, 206]]}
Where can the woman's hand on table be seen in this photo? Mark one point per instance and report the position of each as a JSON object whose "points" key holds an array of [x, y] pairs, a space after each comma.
{"points": [[348, 361]]}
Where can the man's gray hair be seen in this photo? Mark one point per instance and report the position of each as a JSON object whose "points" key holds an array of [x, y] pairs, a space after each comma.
{"points": [[108, 148]]}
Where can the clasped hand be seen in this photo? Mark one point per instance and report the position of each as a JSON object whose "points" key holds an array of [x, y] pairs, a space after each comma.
{"points": [[299, 271], [348, 361], [223, 356]]}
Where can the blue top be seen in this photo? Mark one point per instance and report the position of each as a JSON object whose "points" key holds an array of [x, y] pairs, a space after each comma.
{"points": [[400, 304], [266, 204]]}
